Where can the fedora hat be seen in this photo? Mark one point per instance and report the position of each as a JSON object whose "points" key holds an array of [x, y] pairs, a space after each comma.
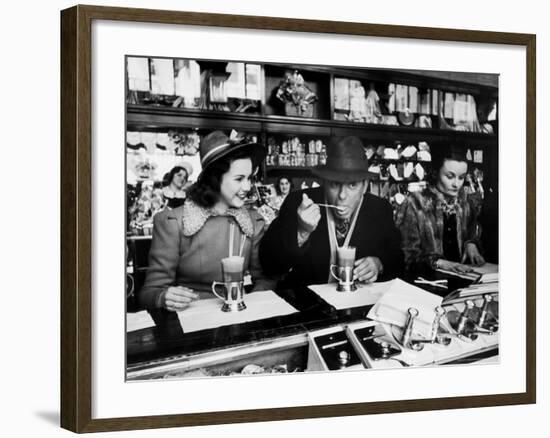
{"points": [[346, 161], [217, 145]]}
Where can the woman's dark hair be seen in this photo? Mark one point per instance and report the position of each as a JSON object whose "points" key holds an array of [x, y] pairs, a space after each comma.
{"points": [[440, 153], [206, 190], [169, 176], [277, 185]]}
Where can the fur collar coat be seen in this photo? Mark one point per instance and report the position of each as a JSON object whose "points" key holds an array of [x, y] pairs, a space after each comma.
{"points": [[421, 220], [189, 243]]}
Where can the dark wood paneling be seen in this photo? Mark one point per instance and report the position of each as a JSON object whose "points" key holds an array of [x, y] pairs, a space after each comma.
{"points": [[531, 218], [483, 79], [68, 230]]}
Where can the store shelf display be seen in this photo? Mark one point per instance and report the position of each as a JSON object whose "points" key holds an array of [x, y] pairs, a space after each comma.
{"points": [[397, 114]]}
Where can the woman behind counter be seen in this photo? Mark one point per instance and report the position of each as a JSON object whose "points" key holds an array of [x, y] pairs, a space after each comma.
{"points": [[270, 208], [439, 226], [174, 185], [190, 241], [282, 188]]}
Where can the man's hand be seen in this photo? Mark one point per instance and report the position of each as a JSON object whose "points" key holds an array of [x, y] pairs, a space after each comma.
{"points": [[177, 298], [367, 269], [309, 215]]}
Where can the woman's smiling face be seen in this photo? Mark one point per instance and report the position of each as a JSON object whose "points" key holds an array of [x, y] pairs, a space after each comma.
{"points": [[236, 183], [179, 179], [284, 186]]}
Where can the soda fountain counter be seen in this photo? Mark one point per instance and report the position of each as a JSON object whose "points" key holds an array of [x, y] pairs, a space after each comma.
{"points": [[318, 337]]}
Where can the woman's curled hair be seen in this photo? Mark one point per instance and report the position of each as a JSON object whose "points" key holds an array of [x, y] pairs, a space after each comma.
{"points": [[441, 152], [278, 184], [169, 176]]}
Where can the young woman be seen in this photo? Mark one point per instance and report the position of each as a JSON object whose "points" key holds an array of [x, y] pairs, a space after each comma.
{"points": [[174, 185], [439, 226], [282, 188], [190, 241], [270, 208]]}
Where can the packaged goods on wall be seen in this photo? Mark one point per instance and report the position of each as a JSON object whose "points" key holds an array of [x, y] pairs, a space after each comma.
{"points": [[149, 155]]}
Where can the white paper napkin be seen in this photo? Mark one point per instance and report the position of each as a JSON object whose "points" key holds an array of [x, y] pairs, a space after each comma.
{"points": [[489, 272], [205, 314], [364, 295], [138, 321]]}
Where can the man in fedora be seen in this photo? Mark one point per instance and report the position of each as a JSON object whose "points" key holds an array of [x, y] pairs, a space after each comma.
{"points": [[301, 243]]}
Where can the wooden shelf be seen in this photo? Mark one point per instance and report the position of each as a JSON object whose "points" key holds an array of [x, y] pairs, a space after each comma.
{"points": [[456, 82], [405, 134], [160, 118], [307, 170], [269, 120], [289, 168]]}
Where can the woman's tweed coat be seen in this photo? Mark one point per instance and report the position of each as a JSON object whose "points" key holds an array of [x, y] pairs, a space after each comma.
{"points": [[188, 245]]}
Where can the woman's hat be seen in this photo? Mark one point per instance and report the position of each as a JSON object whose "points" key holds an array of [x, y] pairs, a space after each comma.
{"points": [[346, 161], [187, 166], [217, 145]]}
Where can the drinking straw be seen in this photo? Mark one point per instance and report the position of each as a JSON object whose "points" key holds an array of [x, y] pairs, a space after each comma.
{"points": [[243, 240], [231, 238]]}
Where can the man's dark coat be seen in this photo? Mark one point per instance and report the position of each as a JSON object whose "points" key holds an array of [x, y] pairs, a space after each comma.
{"points": [[375, 234]]}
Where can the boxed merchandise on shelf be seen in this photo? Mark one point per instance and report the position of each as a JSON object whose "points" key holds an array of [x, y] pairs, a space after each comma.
{"points": [[403, 112]]}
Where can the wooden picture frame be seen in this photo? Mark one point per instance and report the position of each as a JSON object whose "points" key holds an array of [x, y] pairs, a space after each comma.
{"points": [[76, 217]]}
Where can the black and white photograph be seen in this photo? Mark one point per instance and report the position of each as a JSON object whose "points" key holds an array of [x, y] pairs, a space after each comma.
{"points": [[298, 218], [275, 219], [267, 218]]}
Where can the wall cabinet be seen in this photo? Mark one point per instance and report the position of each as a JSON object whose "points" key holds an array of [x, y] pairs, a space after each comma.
{"points": [[390, 108]]}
